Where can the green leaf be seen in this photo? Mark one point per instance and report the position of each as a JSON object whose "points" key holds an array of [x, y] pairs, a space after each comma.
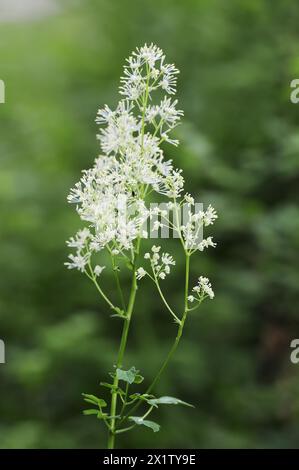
{"points": [[127, 375], [138, 379], [107, 385], [144, 396], [168, 401], [113, 388], [135, 395], [92, 411], [94, 400], [144, 422]]}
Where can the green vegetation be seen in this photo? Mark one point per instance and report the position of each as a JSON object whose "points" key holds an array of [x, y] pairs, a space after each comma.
{"points": [[239, 151]]}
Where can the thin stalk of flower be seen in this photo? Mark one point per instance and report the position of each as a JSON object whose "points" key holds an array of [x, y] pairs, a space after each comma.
{"points": [[177, 320], [93, 279], [117, 281], [178, 226], [180, 328]]}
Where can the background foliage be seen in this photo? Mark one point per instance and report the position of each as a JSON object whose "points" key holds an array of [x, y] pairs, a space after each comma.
{"points": [[239, 151]]}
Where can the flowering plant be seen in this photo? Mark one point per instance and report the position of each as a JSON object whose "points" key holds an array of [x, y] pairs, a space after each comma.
{"points": [[112, 199]]}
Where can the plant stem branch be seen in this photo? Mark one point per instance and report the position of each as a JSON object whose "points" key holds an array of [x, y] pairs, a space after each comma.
{"points": [[177, 320], [176, 341], [93, 279]]}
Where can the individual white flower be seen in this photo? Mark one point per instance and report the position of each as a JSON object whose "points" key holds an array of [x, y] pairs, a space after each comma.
{"points": [[167, 259], [149, 54], [172, 185], [98, 270], [205, 243], [156, 249], [77, 261], [156, 225], [165, 136], [140, 273], [168, 112], [189, 199], [151, 113], [191, 298], [80, 239], [104, 115], [168, 82], [210, 216], [147, 256]]}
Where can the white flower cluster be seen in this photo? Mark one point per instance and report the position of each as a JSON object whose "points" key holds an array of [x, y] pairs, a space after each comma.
{"points": [[110, 196], [79, 242], [147, 71], [160, 264], [191, 230], [202, 290]]}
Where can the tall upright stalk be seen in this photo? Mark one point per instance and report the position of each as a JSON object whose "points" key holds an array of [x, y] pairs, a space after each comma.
{"points": [[128, 314], [132, 166], [121, 351]]}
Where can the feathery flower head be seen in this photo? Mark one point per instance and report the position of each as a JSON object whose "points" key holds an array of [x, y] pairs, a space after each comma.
{"points": [[111, 195]]}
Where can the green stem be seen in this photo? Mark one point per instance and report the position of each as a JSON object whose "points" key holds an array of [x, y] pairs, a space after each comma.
{"points": [[124, 337], [121, 351], [119, 289], [176, 341], [180, 328], [177, 320], [93, 279]]}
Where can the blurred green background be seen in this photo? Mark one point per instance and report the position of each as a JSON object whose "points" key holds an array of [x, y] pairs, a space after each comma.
{"points": [[239, 150]]}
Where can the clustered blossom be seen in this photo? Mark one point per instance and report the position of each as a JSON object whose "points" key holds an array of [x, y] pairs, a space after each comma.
{"points": [[79, 242], [160, 263], [146, 70], [202, 290], [191, 231], [110, 196]]}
